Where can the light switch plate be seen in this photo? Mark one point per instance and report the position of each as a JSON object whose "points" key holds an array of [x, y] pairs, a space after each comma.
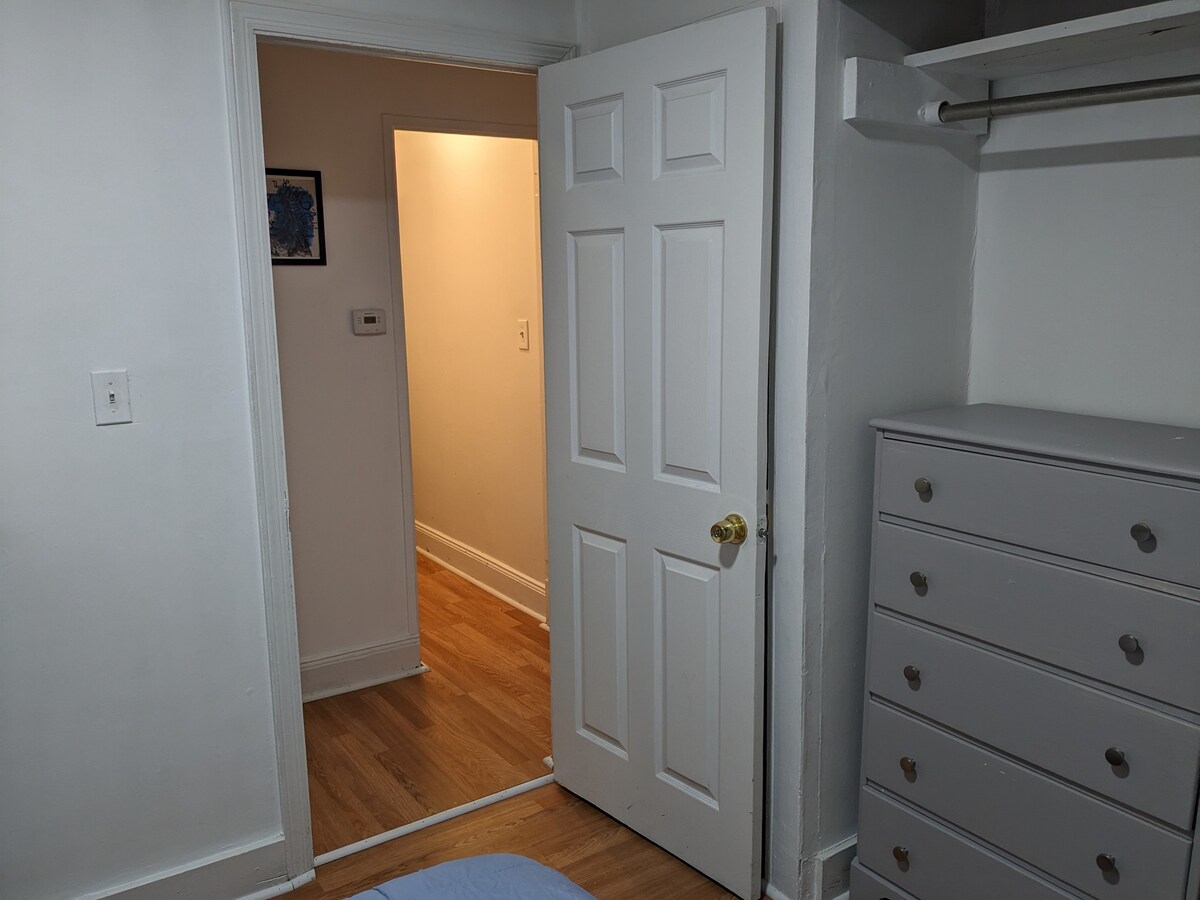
{"points": [[110, 398], [522, 334]]}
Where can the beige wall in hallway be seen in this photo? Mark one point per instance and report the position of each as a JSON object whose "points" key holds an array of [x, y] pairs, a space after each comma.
{"points": [[324, 110], [471, 268]]}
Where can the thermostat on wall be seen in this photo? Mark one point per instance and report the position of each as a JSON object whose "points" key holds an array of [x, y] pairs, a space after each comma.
{"points": [[369, 321]]}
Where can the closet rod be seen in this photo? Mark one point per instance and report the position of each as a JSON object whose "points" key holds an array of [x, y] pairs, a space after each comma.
{"points": [[1156, 89]]}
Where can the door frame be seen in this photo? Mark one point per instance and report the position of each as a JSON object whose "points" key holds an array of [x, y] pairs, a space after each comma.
{"points": [[247, 22]]}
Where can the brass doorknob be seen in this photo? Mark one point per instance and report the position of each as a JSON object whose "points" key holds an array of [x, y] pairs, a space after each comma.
{"points": [[730, 530]]}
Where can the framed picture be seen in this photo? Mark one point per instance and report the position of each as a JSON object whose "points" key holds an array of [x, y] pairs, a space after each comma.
{"points": [[295, 217]]}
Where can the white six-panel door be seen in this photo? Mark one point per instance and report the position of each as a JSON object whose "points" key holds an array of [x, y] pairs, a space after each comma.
{"points": [[656, 165]]}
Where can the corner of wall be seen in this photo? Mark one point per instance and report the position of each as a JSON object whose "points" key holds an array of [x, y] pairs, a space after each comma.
{"points": [[583, 38]]}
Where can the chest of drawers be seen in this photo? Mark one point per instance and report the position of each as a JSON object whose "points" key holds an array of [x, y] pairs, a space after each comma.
{"points": [[1032, 716]]}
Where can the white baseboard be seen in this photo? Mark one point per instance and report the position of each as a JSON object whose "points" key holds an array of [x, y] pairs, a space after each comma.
{"points": [[429, 821], [246, 870], [284, 887], [497, 578], [361, 667], [773, 893]]}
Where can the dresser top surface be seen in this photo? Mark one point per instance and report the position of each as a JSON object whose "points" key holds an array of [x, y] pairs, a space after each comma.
{"points": [[1140, 446]]}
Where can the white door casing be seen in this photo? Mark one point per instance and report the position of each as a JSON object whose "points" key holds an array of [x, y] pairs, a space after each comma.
{"points": [[657, 167]]}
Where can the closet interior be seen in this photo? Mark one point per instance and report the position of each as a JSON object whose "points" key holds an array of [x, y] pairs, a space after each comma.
{"points": [[1006, 210]]}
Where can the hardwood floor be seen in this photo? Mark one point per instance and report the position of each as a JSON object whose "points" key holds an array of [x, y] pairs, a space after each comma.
{"points": [[547, 824], [477, 723]]}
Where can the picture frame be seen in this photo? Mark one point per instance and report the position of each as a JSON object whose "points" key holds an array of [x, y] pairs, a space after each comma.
{"points": [[295, 217]]}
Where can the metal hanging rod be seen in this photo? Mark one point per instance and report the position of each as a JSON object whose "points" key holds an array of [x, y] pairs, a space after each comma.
{"points": [[1157, 89]]}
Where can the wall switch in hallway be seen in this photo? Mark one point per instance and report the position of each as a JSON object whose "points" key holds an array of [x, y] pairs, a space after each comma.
{"points": [[110, 398], [522, 334]]}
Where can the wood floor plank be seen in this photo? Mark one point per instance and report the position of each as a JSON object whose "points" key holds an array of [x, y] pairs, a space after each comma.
{"points": [[548, 825], [478, 723]]}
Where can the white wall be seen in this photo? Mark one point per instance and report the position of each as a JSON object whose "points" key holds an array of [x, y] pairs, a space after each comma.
{"points": [[889, 320], [468, 235], [341, 395], [605, 23], [550, 20], [1087, 277], [135, 716]]}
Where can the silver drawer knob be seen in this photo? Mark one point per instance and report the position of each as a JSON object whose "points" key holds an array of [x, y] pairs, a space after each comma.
{"points": [[919, 581], [908, 765], [1114, 757], [1141, 533], [1106, 863], [923, 487], [1129, 644], [912, 674]]}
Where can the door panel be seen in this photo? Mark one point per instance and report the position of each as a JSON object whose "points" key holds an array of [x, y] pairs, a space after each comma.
{"points": [[687, 304], [602, 651], [656, 173], [687, 607], [596, 332]]}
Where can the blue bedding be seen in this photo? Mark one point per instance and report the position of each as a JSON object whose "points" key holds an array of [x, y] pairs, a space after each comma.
{"points": [[497, 876]]}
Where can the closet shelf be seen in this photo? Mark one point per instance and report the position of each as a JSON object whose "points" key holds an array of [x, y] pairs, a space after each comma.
{"points": [[1159, 27]]}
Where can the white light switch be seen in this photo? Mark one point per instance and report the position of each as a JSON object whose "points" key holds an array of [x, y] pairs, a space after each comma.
{"points": [[522, 334], [110, 397]]}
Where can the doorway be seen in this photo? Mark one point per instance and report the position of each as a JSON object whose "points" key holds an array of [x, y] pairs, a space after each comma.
{"points": [[410, 372], [592, 133]]}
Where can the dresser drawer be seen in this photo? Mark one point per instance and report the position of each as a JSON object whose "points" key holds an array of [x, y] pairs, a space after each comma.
{"points": [[866, 885], [1073, 513], [1049, 825], [1065, 617], [939, 863], [1054, 723]]}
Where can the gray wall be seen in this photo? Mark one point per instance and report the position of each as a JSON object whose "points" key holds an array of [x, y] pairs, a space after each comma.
{"points": [[135, 717], [889, 322], [1087, 273]]}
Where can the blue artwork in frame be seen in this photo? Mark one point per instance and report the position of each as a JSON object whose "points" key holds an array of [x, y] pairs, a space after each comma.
{"points": [[295, 217]]}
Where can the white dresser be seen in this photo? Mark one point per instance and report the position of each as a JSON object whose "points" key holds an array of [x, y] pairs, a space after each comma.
{"points": [[1032, 720]]}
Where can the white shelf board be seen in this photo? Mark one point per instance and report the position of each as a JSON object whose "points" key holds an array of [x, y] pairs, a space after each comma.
{"points": [[1157, 28]]}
